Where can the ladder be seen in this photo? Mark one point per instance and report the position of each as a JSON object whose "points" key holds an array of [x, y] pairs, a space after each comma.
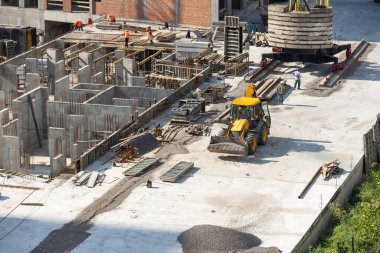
{"points": [[9, 48]]}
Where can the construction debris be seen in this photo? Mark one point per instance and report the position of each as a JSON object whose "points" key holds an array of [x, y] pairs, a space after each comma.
{"points": [[166, 37], [330, 169], [236, 65], [261, 40], [176, 171], [188, 110], [128, 154], [213, 93], [168, 133], [90, 178], [197, 129]]}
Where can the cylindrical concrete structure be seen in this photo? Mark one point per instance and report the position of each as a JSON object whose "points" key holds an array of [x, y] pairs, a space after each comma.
{"points": [[300, 29]]}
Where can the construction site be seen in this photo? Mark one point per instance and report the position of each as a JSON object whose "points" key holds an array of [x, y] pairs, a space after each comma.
{"points": [[189, 136]]}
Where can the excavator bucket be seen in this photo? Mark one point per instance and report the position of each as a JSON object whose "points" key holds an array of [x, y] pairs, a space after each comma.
{"points": [[228, 145]]}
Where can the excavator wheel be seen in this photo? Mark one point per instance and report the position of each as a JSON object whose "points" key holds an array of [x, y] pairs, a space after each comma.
{"points": [[252, 143], [263, 135]]}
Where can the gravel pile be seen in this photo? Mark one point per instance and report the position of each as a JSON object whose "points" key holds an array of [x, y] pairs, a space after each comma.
{"points": [[216, 239]]}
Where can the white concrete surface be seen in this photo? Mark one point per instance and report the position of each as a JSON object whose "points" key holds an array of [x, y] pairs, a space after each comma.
{"points": [[253, 194]]}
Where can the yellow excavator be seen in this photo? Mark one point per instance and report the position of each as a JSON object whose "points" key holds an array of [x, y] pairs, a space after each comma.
{"points": [[249, 127]]}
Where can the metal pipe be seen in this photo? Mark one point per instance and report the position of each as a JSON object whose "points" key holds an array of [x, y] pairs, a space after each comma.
{"points": [[310, 183]]}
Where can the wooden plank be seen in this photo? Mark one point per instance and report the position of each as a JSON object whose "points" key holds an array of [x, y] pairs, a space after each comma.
{"points": [[31, 204], [301, 14], [92, 180]]}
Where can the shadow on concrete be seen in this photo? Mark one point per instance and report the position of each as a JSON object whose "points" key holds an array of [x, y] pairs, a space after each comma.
{"points": [[50, 238], [276, 147], [279, 147], [298, 105], [2, 197]]}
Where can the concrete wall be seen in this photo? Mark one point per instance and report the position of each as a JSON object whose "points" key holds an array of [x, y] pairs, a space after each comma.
{"points": [[22, 111], [323, 221], [57, 150], [22, 17], [8, 79], [130, 127]]}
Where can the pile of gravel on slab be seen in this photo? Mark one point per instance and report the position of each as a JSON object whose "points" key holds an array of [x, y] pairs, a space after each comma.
{"points": [[216, 239]]}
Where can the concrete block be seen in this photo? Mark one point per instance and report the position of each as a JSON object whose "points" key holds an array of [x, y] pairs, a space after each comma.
{"points": [[129, 66], [31, 65], [8, 79], [98, 78], [2, 100], [11, 153], [54, 55], [57, 141], [57, 165], [119, 72], [84, 74], [138, 81], [4, 117], [62, 87], [85, 59], [32, 81]]}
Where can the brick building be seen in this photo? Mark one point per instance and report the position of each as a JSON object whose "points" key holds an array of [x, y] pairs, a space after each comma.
{"points": [[54, 17]]}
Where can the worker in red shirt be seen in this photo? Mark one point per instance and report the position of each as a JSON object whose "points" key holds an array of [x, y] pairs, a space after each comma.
{"points": [[78, 25], [127, 37], [150, 34]]}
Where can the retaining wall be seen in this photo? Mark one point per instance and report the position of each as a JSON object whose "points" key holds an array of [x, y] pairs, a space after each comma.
{"points": [[371, 141]]}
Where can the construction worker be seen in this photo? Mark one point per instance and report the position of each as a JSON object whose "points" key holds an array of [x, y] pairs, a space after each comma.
{"points": [[188, 36], [78, 25], [166, 25], [297, 76], [111, 18], [150, 35], [127, 37], [281, 89]]}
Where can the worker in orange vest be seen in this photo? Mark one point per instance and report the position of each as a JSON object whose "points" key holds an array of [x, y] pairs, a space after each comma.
{"points": [[78, 25], [127, 37]]}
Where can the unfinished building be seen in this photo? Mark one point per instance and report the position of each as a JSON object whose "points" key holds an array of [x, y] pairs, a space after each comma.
{"points": [[67, 102]]}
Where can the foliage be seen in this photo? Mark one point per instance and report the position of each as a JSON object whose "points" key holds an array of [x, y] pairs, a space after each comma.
{"points": [[358, 219]]}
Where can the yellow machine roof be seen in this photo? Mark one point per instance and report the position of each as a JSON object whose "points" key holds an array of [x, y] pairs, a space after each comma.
{"points": [[238, 125], [245, 101]]}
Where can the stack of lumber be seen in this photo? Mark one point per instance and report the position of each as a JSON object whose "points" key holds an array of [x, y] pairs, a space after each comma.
{"points": [[166, 37], [330, 169], [89, 178], [128, 153], [261, 39]]}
